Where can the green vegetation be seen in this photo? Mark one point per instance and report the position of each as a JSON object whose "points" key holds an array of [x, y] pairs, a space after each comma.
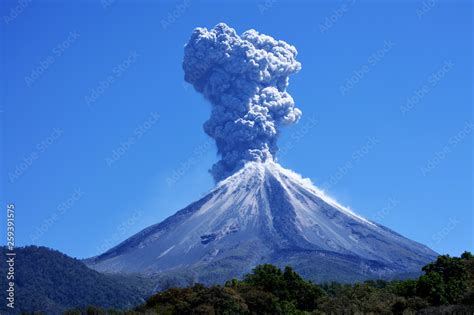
{"points": [[48, 281], [447, 286]]}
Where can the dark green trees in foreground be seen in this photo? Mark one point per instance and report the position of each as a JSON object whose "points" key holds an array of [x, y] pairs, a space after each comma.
{"points": [[447, 286], [447, 280]]}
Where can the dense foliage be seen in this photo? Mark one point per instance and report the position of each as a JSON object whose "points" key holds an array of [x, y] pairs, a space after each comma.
{"points": [[446, 287], [49, 281]]}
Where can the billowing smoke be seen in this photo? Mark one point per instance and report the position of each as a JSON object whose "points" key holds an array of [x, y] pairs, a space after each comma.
{"points": [[245, 78]]}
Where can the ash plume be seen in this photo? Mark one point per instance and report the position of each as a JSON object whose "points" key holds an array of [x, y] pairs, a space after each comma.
{"points": [[245, 79]]}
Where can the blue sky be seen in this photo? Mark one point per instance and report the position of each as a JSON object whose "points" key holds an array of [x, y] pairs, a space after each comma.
{"points": [[101, 137]]}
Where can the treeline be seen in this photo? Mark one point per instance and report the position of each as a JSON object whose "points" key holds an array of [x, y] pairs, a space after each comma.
{"points": [[447, 286], [49, 282]]}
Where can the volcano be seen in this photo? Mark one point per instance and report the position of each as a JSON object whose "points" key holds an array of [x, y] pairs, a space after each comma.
{"points": [[265, 213], [258, 212]]}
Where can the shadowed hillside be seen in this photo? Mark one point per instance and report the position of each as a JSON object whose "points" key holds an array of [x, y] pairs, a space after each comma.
{"points": [[49, 281]]}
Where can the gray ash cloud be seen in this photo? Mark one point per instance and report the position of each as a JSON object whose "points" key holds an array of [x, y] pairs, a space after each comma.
{"points": [[245, 79]]}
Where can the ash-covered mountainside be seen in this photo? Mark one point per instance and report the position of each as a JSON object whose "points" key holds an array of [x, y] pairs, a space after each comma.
{"points": [[259, 212], [266, 214]]}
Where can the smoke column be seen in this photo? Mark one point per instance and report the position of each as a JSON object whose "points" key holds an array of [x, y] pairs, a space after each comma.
{"points": [[245, 79]]}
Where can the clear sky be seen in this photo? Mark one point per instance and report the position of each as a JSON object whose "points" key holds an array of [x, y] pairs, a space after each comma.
{"points": [[101, 137]]}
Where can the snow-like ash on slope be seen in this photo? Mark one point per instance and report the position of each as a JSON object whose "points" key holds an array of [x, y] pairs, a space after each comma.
{"points": [[266, 214], [283, 175], [259, 212], [245, 78]]}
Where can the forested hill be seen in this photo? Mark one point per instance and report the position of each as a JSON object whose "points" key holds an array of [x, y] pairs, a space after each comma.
{"points": [[50, 282], [47, 280], [447, 287]]}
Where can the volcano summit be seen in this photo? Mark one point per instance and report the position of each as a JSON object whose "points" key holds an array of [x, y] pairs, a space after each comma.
{"points": [[266, 214], [259, 212]]}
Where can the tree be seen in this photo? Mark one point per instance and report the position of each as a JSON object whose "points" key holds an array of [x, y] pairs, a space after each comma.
{"points": [[269, 290], [449, 277], [305, 294], [431, 286], [406, 288]]}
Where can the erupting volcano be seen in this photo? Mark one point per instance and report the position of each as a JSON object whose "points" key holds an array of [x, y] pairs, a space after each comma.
{"points": [[259, 212]]}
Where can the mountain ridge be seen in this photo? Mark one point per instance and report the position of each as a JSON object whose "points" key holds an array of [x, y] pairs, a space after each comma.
{"points": [[265, 213], [51, 282]]}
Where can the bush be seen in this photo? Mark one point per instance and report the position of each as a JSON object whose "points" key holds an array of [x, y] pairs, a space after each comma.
{"points": [[269, 290]]}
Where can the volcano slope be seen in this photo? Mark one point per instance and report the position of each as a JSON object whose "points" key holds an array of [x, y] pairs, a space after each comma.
{"points": [[265, 214]]}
